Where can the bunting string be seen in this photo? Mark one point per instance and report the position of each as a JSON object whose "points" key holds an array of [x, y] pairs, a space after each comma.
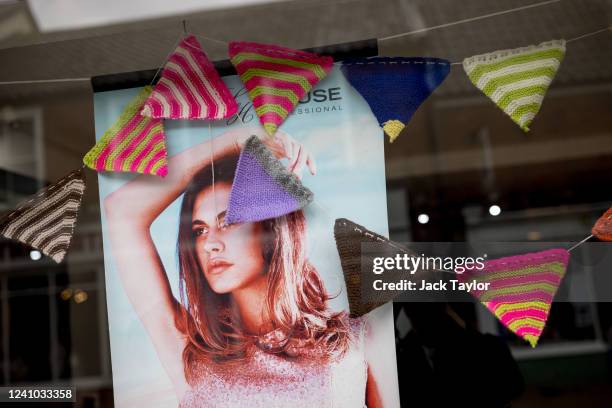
{"points": [[578, 38], [468, 20], [576, 245], [82, 79]]}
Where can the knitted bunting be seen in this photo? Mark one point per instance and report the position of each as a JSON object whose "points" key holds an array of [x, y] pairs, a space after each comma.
{"points": [[46, 220], [190, 87], [134, 143], [603, 227], [349, 237], [263, 188], [276, 78], [517, 80], [395, 87], [521, 289]]}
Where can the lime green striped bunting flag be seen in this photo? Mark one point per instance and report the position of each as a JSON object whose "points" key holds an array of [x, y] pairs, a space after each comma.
{"points": [[517, 79]]}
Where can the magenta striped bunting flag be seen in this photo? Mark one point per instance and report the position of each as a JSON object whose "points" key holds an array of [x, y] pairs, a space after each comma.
{"points": [[190, 87], [134, 143], [276, 78], [521, 289]]}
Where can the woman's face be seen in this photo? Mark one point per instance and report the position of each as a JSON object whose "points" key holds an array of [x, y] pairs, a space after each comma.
{"points": [[231, 257]]}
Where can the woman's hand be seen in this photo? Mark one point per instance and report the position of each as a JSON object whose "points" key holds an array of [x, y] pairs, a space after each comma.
{"points": [[284, 147]]}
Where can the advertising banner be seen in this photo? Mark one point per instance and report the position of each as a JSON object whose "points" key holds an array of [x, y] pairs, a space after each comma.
{"points": [[207, 315]]}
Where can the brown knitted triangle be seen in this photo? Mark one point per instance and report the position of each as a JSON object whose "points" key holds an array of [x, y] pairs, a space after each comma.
{"points": [[349, 237]]}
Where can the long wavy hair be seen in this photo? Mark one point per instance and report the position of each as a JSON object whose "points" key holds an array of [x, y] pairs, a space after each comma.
{"points": [[296, 301]]}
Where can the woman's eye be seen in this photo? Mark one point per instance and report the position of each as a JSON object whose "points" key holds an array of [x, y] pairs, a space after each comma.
{"points": [[200, 231]]}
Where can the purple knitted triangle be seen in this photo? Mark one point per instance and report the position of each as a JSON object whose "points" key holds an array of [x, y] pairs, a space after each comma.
{"points": [[263, 188]]}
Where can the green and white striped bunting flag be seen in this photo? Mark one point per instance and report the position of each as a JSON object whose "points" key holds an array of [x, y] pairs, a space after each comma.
{"points": [[517, 80]]}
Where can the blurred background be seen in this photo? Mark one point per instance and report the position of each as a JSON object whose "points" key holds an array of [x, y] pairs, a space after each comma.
{"points": [[460, 171]]}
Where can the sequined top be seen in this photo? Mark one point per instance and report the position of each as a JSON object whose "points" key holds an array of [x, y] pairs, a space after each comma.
{"points": [[271, 380]]}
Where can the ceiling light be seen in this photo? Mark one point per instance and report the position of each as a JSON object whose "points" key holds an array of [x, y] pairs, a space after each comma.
{"points": [[494, 210], [423, 218]]}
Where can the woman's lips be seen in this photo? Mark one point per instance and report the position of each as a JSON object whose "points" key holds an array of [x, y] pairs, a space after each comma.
{"points": [[218, 265]]}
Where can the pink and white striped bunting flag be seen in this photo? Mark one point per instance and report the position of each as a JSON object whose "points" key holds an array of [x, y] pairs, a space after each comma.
{"points": [[190, 87]]}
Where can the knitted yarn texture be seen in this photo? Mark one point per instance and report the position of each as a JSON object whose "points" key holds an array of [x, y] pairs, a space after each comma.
{"points": [[134, 143], [603, 227], [46, 220], [276, 78], [517, 79], [190, 87], [395, 87], [521, 289], [263, 188], [349, 237]]}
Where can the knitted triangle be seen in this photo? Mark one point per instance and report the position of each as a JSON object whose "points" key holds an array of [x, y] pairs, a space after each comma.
{"points": [[603, 227], [395, 87], [349, 237], [134, 143], [263, 188], [517, 80], [521, 289], [276, 78], [46, 220], [190, 87]]}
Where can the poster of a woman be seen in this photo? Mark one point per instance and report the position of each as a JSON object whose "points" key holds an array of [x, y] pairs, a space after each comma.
{"points": [[239, 315]]}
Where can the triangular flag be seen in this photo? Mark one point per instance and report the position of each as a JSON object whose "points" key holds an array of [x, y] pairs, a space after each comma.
{"points": [[276, 78], [395, 87], [263, 188], [603, 227], [349, 237], [46, 220], [190, 87], [517, 80], [134, 143], [521, 289]]}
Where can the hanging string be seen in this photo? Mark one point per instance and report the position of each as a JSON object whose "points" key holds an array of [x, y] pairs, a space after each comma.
{"points": [[421, 30], [468, 20], [166, 59], [210, 39], [83, 79], [580, 37], [44, 81], [212, 170], [580, 243]]}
